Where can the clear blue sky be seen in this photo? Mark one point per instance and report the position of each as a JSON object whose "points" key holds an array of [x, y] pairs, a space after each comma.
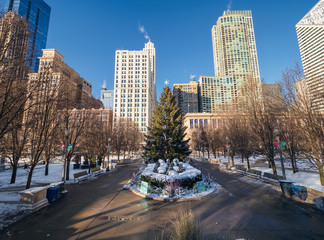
{"points": [[87, 33]]}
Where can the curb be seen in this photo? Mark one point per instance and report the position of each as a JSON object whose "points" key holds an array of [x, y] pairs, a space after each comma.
{"points": [[170, 199]]}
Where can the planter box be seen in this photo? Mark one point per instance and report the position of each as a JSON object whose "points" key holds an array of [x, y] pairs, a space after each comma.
{"points": [[34, 197]]}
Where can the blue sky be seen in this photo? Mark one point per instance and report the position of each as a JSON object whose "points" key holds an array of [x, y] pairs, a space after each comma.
{"points": [[88, 32]]}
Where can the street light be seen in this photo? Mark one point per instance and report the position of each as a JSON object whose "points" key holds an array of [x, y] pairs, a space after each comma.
{"points": [[107, 169], [280, 148]]}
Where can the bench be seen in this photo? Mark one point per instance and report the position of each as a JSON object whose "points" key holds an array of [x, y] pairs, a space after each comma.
{"points": [[80, 176], [96, 171], [254, 173], [271, 176]]}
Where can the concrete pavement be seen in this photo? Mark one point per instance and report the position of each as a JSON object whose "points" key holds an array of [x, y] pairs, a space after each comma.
{"points": [[100, 209]]}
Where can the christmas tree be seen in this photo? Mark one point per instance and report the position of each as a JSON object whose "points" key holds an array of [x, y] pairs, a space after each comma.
{"points": [[165, 138]]}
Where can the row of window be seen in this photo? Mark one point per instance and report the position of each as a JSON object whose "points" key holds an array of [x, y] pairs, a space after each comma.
{"points": [[203, 123]]}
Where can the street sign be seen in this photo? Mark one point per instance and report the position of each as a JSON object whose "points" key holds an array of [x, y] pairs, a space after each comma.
{"points": [[201, 186], [144, 187], [69, 147]]}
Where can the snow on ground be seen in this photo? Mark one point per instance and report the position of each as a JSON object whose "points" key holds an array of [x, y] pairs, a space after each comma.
{"points": [[54, 175], [11, 213], [307, 176], [307, 179]]}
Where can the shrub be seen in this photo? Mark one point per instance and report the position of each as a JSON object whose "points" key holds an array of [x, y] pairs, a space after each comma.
{"points": [[186, 226]]}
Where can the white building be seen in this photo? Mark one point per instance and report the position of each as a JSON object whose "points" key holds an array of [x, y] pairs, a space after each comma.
{"points": [[135, 85], [310, 33]]}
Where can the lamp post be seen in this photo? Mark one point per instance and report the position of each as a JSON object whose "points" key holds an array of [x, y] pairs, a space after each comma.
{"points": [[107, 169], [66, 153], [280, 148]]}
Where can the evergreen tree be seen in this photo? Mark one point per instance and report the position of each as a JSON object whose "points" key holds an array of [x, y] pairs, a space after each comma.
{"points": [[165, 138]]}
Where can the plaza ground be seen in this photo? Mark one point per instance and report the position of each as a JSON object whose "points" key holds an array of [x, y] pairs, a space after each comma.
{"points": [[100, 209]]}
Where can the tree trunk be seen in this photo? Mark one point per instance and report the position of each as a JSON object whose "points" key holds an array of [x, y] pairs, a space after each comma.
{"points": [[232, 157], [321, 172], [30, 174], [14, 174], [269, 162], [68, 160], [273, 165], [242, 158], [248, 162], [46, 167]]}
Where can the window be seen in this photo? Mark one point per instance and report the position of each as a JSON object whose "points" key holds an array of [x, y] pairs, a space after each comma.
{"points": [[200, 123], [205, 123], [196, 123], [191, 123]]}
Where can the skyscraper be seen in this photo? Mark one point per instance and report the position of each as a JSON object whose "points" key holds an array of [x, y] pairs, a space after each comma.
{"points": [[235, 55], [107, 98], [37, 14], [215, 93], [135, 85], [14, 36], [310, 34], [186, 95]]}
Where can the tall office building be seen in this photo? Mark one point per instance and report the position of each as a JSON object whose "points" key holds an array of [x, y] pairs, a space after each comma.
{"points": [[235, 56], [186, 95], [37, 14], [14, 36], [310, 34], [135, 85], [215, 94], [63, 81], [107, 98]]}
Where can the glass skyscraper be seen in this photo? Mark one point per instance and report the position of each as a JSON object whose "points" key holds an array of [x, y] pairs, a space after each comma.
{"points": [[235, 58], [37, 14], [107, 98]]}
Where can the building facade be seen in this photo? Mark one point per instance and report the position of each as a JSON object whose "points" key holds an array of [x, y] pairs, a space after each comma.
{"points": [[14, 36], [63, 81], [272, 96], [187, 96], [235, 55], [37, 14], [215, 94], [107, 98], [310, 34], [135, 85]]}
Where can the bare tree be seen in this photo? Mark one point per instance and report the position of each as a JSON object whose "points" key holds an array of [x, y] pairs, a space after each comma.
{"points": [[74, 122], [40, 116], [13, 71], [118, 136], [214, 137], [262, 121], [301, 106]]}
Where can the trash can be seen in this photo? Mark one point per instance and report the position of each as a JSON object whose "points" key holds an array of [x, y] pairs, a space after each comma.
{"points": [[300, 191], [55, 191], [286, 187], [52, 194]]}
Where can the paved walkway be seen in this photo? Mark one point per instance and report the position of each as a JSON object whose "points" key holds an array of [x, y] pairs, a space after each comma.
{"points": [[100, 209]]}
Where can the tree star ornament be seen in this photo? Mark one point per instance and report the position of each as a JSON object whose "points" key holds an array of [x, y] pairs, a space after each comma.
{"points": [[166, 82]]}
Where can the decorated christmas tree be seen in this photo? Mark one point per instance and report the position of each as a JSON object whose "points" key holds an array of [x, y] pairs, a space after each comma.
{"points": [[165, 138]]}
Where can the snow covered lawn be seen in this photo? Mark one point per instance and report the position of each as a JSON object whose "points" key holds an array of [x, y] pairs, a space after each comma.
{"points": [[311, 180], [54, 175], [307, 175]]}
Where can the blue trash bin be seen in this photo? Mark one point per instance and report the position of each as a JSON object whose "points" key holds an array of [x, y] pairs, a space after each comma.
{"points": [[52, 193], [286, 187]]}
